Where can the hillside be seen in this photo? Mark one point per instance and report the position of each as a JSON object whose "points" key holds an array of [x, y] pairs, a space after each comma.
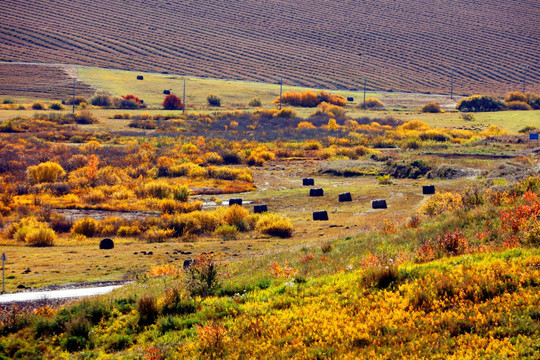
{"points": [[396, 46]]}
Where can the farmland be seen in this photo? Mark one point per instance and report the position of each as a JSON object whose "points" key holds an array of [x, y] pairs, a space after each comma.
{"points": [[399, 47], [247, 225]]}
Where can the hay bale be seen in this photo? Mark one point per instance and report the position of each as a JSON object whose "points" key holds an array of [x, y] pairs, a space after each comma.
{"points": [[308, 182], [350, 99], [428, 189], [188, 263], [106, 244], [378, 204], [140, 77], [260, 209], [320, 216], [345, 197], [235, 202], [167, 92], [316, 192]]}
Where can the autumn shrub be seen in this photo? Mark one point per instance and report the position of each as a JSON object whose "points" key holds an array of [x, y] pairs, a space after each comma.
{"points": [[226, 232], [480, 103], [85, 117], [440, 203], [47, 172], [157, 189], [180, 193], [177, 301], [207, 220], [308, 98], [38, 105], [213, 100], [128, 231], [285, 113], [373, 104], [333, 99], [172, 102], [515, 96], [86, 226], [431, 107], [434, 135], [274, 225], [182, 224], [157, 235], [518, 105], [56, 105], [231, 157], [325, 108], [238, 216], [305, 125], [533, 100], [41, 236], [77, 100], [102, 99], [255, 102]]}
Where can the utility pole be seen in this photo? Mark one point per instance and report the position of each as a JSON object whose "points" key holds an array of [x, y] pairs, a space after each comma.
{"points": [[452, 84], [73, 101], [184, 101], [365, 82], [280, 91], [524, 76]]}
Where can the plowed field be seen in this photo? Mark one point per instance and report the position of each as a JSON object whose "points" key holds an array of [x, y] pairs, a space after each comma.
{"points": [[396, 45]]}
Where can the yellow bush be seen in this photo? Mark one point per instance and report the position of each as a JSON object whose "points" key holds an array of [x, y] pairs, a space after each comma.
{"points": [[41, 236], [158, 189], [238, 216], [154, 234], [305, 125], [44, 173], [85, 226], [441, 203], [431, 107], [128, 230], [414, 125], [90, 147], [274, 225], [373, 104]]}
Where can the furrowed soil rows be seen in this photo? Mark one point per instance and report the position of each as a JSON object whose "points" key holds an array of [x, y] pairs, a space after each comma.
{"points": [[395, 45]]}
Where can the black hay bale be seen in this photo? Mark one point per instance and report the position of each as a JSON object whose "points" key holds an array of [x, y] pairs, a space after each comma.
{"points": [[308, 182], [428, 189], [345, 197], [235, 202], [351, 99], [140, 77], [106, 244], [316, 192], [260, 209], [167, 92], [320, 216], [188, 263], [142, 101], [378, 204]]}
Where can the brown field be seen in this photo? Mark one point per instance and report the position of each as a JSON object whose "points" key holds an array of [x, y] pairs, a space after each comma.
{"points": [[33, 81], [400, 47]]}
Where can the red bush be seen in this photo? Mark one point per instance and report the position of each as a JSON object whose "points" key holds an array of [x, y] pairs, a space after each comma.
{"points": [[172, 102], [132, 97]]}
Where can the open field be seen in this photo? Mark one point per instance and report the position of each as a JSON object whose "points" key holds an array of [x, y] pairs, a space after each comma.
{"points": [[400, 47]]}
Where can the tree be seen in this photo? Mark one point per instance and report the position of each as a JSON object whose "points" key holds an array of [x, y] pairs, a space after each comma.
{"points": [[172, 102]]}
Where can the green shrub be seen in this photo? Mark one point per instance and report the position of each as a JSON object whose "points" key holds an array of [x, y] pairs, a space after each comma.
{"points": [[533, 100], [431, 107], [480, 103], [227, 232], [147, 309], [178, 302], [56, 105], [118, 342], [213, 100]]}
